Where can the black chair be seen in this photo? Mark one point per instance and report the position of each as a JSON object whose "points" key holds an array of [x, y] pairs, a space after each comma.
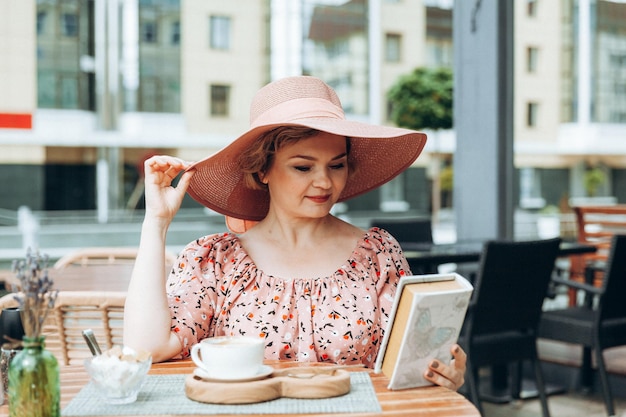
{"points": [[596, 325], [500, 328], [414, 230], [407, 230]]}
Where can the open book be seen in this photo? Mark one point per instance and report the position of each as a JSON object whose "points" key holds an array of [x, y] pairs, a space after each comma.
{"points": [[425, 320]]}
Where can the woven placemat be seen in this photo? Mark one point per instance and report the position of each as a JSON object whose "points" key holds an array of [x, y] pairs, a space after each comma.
{"points": [[165, 395]]}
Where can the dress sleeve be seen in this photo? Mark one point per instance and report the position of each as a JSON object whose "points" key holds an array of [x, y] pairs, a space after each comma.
{"points": [[191, 293], [391, 262], [391, 265]]}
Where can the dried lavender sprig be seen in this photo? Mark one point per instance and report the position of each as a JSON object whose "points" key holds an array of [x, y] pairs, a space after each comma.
{"points": [[37, 295]]}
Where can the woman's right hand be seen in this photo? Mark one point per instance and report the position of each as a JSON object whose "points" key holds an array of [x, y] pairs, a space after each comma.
{"points": [[162, 199]]}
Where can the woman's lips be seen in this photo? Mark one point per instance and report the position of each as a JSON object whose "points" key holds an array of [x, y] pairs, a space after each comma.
{"points": [[319, 198]]}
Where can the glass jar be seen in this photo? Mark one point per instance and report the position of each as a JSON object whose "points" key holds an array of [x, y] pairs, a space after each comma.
{"points": [[7, 353], [34, 384]]}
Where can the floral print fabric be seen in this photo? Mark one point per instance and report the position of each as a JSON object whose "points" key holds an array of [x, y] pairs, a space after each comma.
{"points": [[215, 289]]}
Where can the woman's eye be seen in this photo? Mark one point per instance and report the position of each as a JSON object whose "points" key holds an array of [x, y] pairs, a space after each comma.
{"points": [[338, 166], [302, 168]]}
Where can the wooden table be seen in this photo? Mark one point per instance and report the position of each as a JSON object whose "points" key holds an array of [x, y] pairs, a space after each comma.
{"points": [[112, 277], [428, 401]]}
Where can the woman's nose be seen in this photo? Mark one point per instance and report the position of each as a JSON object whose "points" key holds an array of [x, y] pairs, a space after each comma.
{"points": [[322, 179]]}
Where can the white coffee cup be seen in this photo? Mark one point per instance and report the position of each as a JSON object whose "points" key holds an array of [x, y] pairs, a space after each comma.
{"points": [[229, 357]]}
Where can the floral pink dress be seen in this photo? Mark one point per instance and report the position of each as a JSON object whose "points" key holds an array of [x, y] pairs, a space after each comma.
{"points": [[216, 289]]}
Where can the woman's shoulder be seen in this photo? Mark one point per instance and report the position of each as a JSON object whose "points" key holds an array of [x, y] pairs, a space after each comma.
{"points": [[374, 238], [224, 242], [380, 237], [378, 242], [380, 250], [381, 241]]}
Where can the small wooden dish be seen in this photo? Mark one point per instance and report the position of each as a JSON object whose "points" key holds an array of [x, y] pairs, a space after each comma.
{"points": [[299, 382]]}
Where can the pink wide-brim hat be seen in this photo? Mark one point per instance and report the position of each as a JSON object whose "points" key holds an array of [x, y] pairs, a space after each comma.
{"points": [[379, 153]]}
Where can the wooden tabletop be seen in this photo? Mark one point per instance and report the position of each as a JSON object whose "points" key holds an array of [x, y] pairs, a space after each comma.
{"points": [[428, 401], [112, 277]]}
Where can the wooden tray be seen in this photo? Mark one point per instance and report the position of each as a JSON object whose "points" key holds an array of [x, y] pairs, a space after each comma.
{"points": [[299, 382]]}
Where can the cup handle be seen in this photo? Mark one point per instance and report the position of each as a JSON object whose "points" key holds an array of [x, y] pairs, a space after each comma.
{"points": [[196, 356]]}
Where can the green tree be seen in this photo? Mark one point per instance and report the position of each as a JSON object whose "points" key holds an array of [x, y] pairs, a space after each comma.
{"points": [[593, 179], [423, 99]]}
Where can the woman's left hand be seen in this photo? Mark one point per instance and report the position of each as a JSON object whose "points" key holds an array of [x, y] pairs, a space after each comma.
{"points": [[451, 376]]}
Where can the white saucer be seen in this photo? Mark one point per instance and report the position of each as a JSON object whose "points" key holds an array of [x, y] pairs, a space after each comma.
{"points": [[263, 372]]}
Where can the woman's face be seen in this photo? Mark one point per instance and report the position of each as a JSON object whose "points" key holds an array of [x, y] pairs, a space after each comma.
{"points": [[307, 177]]}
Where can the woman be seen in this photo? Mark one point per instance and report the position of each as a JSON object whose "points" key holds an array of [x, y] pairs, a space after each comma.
{"points": [[314, 287]]}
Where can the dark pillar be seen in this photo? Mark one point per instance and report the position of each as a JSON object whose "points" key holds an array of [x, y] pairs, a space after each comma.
{"points": [[483, 118]]}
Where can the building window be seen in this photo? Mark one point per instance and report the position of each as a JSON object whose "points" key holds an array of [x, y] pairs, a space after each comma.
{"points": [[530, 188], [175, 33], [220, 97], [617, 60], [68, 91], [46, 89], [41, 22], [532, 56], [617, 117], [532, 113], [153, 85], [148, 31], [531, 7], [392, 47], [69, 25], [337, 48], [219, 27], [150, 94]]}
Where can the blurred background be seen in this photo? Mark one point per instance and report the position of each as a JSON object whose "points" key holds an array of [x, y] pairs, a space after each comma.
{"points": [[91, 88]]}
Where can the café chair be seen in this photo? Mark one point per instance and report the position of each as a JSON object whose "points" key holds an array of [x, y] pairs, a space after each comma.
{"points": [[500, 327], [413, 230], [597, 325], [407, 230], [75, 311], [596, 226]]}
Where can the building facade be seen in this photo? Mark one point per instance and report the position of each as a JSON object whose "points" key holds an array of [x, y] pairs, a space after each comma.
{"points": [[90, 88]]}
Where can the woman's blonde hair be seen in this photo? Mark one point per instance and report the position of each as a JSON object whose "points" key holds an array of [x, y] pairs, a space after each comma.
{"points": [[257, 159]]}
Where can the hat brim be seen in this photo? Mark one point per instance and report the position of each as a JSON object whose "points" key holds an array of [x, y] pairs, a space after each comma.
{"points": [[379, 154]]}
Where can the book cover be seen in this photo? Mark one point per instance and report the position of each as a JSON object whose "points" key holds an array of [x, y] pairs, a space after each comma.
{"points": [[425, 320]]}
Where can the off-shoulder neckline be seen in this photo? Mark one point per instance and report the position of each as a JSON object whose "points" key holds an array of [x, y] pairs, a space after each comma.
{"points": [[362, 241]]}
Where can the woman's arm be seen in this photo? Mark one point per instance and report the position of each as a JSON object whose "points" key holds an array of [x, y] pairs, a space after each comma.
{"points": [[147, 318]]}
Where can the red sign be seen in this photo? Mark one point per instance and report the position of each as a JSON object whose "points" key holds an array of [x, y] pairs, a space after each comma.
{"points": [[16, 120]]}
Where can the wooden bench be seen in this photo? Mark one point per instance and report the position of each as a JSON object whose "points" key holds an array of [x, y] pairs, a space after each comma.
{"points": [[595, 225]]}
